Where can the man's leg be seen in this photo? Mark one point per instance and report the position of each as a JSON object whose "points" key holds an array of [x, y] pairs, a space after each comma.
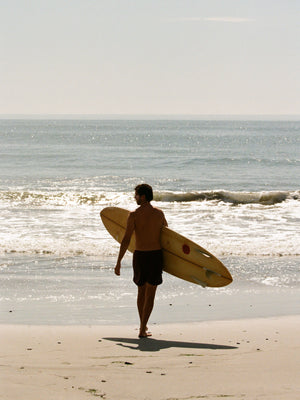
{"points": [[146, 297], [141, 301]]}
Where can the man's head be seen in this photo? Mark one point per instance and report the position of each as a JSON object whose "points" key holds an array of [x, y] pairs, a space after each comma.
{"points": [[144, 190]]}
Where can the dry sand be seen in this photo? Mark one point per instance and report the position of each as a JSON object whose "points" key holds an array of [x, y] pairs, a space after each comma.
{"points": [[241, 359]]}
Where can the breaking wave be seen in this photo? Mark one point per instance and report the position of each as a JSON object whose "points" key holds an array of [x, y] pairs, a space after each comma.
{"points": [[264, 198], [33, 198]]}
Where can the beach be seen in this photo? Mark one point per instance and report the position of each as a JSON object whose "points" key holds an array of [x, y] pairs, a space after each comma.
{"points": [[68, 325], [238, 359]]}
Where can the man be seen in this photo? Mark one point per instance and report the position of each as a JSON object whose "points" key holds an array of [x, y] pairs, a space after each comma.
{"points": [[147, 222]]}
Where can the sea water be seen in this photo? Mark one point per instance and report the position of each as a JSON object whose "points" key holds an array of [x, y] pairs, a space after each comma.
{"points": [[231, 186]]}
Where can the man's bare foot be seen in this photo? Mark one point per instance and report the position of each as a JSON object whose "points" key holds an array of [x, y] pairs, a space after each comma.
{"points": [[144, 334]]}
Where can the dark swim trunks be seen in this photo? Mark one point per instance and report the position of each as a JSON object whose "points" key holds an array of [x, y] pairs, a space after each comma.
{"points": [[147, 267]]}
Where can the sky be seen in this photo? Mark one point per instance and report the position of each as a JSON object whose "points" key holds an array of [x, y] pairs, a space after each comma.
{"points": [[175, 57]]}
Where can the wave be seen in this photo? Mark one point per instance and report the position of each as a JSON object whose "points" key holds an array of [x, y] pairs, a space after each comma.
{"points": [[32, 246], [264, 198], [103, 248], [69, 198], [51, 198]]}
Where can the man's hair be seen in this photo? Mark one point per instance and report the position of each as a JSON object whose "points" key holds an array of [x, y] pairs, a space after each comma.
{"points": [[146, 190]]}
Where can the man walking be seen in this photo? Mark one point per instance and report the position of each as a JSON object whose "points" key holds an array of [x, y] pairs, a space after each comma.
{"points": [[146, 221]]}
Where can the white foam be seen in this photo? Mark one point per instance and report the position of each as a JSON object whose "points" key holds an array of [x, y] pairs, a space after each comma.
{"points": [[68, 224]]}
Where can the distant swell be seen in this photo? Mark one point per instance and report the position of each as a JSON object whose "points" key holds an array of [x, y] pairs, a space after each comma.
{"points": [[264, 198]]}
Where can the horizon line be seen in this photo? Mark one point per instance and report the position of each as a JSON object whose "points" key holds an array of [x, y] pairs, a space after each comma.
{"points": [[144, 116]]}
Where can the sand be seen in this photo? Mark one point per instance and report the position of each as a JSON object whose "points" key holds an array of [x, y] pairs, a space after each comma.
{"points": [[240, 359]]}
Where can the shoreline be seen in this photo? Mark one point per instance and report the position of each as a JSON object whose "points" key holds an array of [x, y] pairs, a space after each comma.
{"points": [[154, 325], [122, 324], [245, 359], [186, 307]]}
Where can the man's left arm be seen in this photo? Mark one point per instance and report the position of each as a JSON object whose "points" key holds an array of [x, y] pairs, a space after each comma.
{"points": [[125, 242]]}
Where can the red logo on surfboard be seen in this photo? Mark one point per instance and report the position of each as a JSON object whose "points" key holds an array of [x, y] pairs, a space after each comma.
{"points": [[186, 249]]}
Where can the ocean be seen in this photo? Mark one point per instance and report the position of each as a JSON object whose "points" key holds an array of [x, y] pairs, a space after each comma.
{"points": [[231, 186]]}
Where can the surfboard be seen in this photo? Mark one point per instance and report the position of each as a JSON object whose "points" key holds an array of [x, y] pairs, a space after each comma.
{"points": [[182, 257]]}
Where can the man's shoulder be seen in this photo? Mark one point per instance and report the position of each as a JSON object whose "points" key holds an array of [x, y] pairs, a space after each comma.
{"points": [[158, 210], [158, 214], [141, 211], [131, 216]]}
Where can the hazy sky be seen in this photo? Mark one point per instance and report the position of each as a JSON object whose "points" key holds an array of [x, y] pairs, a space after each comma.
{"points": [[149, 56]]}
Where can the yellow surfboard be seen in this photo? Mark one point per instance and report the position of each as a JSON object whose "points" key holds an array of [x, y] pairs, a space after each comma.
{"points": [[182, 257]]}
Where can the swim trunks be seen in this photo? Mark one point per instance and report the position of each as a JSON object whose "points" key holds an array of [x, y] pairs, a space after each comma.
{"points": [[147, 267]]}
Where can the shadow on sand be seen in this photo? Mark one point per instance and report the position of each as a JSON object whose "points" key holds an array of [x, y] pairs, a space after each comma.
{"points": [[150, 344]]}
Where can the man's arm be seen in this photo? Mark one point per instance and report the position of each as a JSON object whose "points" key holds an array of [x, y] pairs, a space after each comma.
{"points": [[125, 242]]}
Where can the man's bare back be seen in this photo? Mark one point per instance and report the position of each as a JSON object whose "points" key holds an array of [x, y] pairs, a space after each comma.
{"points": [[148, 222]]}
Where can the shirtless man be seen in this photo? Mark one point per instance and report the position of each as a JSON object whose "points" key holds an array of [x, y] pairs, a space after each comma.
{"points": [[147, 222]]}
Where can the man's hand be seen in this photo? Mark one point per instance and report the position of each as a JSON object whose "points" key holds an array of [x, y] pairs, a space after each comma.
{"points": [[117, 268]]}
